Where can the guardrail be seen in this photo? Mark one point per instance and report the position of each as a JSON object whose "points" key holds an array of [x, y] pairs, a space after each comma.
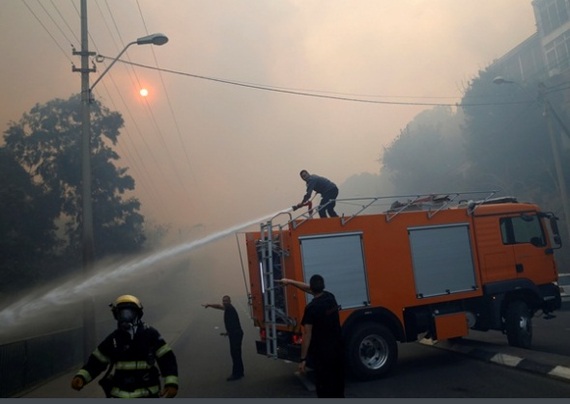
{"points": [[24, 364]]}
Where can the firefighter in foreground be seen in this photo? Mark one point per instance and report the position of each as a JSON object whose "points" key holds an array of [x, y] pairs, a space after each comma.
{"points": [[131, 355], [322, 339]]}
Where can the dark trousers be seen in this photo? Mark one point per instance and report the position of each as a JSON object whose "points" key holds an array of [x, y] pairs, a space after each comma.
{"points": [[329, 376], [326, 197], [235, 351]]}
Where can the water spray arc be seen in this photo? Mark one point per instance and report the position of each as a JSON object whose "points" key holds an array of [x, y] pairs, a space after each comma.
{"points": [[30, 307]]}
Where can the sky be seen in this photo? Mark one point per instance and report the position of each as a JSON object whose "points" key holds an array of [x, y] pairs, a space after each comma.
{"points": [[208, 151]]}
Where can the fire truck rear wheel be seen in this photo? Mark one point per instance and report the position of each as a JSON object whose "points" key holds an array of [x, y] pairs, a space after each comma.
{"points": [[518, 324], [372, 351]]}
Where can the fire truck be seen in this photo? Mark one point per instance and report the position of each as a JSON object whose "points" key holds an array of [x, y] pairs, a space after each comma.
{"points": [[404, 268]]}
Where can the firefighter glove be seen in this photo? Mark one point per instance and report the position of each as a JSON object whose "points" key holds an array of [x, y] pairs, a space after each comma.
{"points": [[77, 383], [169, 391], [295, 207]]}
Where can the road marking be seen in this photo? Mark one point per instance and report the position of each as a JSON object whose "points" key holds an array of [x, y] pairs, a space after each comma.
{"points": [[504, 359], [560, 371]]}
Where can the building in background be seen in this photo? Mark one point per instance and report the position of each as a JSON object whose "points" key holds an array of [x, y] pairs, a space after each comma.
{"points": [[553, 28], [546, 53]]}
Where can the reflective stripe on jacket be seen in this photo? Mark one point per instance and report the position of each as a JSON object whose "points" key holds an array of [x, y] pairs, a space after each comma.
{"points": [[138, 393]]}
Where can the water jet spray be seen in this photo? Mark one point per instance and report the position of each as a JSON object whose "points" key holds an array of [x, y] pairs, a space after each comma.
{"points": [[22, 311]]}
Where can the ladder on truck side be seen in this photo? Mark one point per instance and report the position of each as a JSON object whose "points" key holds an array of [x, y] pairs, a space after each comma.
{"points": [[270, 248]]}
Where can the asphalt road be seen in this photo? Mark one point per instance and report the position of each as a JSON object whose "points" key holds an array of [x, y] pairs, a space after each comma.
{"points": [[444, 370], [423, 371]]}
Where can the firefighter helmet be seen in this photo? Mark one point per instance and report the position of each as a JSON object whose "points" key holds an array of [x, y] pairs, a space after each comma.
{"points": [[126, 300]]}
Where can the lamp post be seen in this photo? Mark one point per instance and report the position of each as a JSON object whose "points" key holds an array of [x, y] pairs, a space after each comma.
{"points": [[87, 207], [548, 112], [154, 39]]}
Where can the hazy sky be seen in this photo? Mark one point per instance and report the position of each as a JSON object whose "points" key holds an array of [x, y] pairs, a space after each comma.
{"points": [[210, 154]]}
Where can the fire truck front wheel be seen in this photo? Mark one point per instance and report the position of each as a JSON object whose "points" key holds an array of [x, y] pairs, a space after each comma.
{"points": [[518, 324], [372, 351]]}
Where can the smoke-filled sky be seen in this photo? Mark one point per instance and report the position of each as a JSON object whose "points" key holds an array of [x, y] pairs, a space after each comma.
{"points": [[206, 153]]}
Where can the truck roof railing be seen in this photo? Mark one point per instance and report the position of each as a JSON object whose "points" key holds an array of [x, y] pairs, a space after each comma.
{"points": [[394, 205]]}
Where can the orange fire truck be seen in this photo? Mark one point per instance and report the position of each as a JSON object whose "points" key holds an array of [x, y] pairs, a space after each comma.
{"points": [[406, 268]]}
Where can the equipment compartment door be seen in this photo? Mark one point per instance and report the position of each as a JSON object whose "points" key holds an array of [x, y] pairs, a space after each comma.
{"points": [[339, 258], [442, 260]]}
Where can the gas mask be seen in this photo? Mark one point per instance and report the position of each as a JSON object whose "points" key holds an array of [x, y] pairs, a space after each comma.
{"points": [[127, 318]]}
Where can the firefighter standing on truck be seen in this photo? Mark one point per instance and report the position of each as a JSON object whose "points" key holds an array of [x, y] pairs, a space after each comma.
{"points": [[323, 186], [131, 355]]}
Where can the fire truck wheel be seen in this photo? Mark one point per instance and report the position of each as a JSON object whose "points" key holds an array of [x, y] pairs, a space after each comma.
{"points": [[371, 352], [518, 324]]}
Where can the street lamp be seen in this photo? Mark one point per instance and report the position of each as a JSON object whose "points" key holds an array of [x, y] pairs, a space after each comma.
{"points": [[87, 207], [502, 80], [548, 112], [154, 39]]}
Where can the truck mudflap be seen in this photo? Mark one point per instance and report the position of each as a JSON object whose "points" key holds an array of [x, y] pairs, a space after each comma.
{"points": [[290, 352], [551, 298]]}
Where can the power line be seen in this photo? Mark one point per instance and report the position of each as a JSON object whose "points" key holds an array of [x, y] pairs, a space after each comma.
{"points": [[313, 94], [148, 109], [136, 82], [177, 126], [47, 30], [65, 22]]}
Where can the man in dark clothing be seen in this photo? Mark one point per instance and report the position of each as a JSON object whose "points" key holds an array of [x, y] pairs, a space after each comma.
{"points": [[323, 186], [132, 353], [234, 334], [322, 340]]}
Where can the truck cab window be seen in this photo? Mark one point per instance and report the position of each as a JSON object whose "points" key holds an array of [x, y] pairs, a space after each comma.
{"points": [[522, 229]]}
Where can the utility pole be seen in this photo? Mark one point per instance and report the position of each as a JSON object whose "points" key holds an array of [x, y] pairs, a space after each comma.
{"points": [[548, 112], [88, 248], [89, 324], [555, 145]]}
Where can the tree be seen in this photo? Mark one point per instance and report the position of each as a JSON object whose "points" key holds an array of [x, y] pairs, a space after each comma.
{"points": [[427, 156], [506, 138], [46, 144], [27, 229]]}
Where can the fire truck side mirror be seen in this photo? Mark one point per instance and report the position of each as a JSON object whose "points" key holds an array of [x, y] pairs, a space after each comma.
{"points": [[555, 232]]}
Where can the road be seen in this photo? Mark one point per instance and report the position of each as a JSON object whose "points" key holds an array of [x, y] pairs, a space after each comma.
{"points": [[422, 371]]}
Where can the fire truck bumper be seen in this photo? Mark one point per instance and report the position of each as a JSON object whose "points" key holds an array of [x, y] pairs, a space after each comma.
{"points": [[290, 352]]}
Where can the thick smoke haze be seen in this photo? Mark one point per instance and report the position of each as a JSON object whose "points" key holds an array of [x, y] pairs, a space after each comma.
{"points": [[158, 276], [209, 154]]}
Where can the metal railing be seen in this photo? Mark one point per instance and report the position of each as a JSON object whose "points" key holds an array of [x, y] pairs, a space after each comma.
{"points": [[25, 364], [392, 206]]}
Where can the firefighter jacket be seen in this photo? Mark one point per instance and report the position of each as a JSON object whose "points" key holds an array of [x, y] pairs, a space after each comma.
{"points": [[132, 363]]}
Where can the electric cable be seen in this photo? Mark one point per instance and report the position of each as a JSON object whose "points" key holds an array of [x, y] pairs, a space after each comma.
{"points": [[316, 95]]}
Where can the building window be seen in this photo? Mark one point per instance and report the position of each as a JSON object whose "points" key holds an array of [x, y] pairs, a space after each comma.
{"points": [[552, 14], [558, 53]]}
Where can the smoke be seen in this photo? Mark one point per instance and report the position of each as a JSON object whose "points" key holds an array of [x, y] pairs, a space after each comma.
{"points": [[75, 290]]}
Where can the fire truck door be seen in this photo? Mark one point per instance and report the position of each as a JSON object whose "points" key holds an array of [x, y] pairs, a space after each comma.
{"points": [[527, 238]]}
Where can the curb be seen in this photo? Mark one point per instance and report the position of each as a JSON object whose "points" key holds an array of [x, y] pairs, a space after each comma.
{"points": [[542, 363]]}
